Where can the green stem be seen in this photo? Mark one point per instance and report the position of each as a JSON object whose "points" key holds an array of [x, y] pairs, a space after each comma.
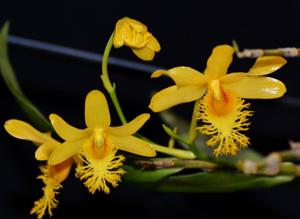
{"points": [[179, 153], [174, 135], [192, 132], [118, 108], [111, 88]]}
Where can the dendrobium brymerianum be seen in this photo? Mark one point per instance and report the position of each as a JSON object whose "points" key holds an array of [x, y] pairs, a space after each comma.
{"points": [[219, 108], [134, 34], [219, 96], [97, 145], [52, 175]]}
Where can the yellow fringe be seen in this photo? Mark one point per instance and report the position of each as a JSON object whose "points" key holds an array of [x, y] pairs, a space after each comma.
{"points": [[97, 172], [48, 201], [224, 124]]}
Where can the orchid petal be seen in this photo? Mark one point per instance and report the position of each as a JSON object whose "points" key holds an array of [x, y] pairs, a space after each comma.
{"points": [[182, 76], [25, 131], [144, 53], [266, 64], [96, 110], [233, 77], [120, 33], [44, 150], [253, 87], [133, 145], [131, 127], [66, 131], [219, 61], [153, 44], [65, 151], [173, 95]]}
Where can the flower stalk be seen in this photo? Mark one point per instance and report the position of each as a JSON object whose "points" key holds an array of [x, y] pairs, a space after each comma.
{"points": [[179, 153], [111, 88], [193, 133]]}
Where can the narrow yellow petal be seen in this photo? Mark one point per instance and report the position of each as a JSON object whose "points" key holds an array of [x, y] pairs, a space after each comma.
{"points": [[253, 87], [66, 150], [153, 44], [96, 110], [233, 77], [173, 95], [133, 145], [267, 64], [44, 150], [144, 53], [66, 131], [159, 73], [182, 76], [219, 61], [129, 128], [25, 131]]}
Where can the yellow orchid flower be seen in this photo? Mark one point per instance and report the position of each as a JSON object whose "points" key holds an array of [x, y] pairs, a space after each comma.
{"points": [[220, 105], [98, 143], [134, 34], [52, 175]]}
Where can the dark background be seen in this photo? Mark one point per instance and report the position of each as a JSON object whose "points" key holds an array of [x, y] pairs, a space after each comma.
{"points": [[187, 31]]}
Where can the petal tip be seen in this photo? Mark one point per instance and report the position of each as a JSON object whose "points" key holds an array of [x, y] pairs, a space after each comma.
{"points": [[158, 73], [95, 92], [39, 155], [152, 107], [153, 154], [53, 117], [7, 124], [146, 116]]}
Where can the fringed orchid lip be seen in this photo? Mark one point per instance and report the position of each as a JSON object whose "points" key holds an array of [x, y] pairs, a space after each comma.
{"points": [[52, 177], [224, 119], [219, 94]]}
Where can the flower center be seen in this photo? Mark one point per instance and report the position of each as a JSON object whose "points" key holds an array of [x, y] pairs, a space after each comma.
{"points": [[220, 100], [98, 148], [214, 85], [98, 137]]}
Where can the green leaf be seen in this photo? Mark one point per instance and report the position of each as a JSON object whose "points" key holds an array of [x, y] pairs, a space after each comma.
{"points": [[218, 182], [8, 74], [135, 175]]}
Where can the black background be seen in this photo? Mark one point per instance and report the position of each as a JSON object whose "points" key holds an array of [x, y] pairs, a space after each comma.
{"points": [[187, 31]]}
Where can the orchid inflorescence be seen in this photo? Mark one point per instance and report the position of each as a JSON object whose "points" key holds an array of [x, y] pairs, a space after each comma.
{"points": [[220, 112]]}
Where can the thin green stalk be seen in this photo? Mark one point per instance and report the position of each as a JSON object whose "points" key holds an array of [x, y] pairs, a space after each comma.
{"points": [[111, 88], [193, 132], [174, 135], [179, 153], [118, 108]]}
